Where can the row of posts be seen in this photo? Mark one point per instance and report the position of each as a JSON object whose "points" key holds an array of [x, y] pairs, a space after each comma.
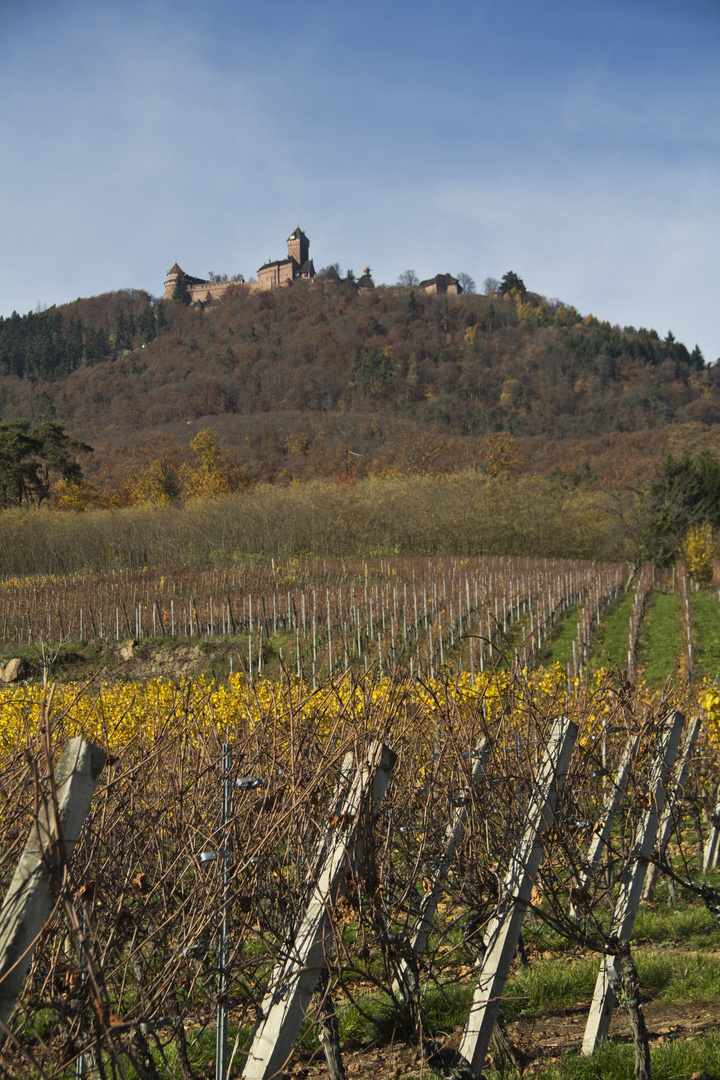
{"points": [[356, 804]]}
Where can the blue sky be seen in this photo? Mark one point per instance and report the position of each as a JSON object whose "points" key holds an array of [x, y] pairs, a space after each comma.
{"points": [[577, 144]]}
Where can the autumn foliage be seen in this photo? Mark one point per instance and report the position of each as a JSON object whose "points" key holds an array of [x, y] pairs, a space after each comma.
{"points": [[321, 380]]}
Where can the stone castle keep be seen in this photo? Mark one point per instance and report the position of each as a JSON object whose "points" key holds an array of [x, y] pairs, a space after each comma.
{"points": [[298, 264], [282, 272]]}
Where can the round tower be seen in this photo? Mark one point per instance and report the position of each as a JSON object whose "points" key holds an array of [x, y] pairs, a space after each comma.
{"points": [[175, 277]]}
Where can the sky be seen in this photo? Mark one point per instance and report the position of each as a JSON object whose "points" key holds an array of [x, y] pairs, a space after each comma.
{"points": [[575, 143]]}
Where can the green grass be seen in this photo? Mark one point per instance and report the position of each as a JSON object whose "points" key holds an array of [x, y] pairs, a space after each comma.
{"points": [[615, 1061], [545, 986], [661, 638], [612, 636], [705, 621], [692, 926], [548, 985], [678, 976], [564, 633], [551, 985]]}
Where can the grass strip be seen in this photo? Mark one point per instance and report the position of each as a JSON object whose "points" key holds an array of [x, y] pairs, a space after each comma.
{"points": [[674, 1060], [661, 643], [611, 645], [563, 634], [705, 622]]}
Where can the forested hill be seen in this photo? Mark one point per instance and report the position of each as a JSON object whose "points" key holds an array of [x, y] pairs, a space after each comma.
{"points": [[296, 378]]}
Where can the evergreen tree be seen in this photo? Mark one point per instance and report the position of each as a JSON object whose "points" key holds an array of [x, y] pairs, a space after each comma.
{"points": [[19, 465], [684, 493], [510, 280], [28, 457]]}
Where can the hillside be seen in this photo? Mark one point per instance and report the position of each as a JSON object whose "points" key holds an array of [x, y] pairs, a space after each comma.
{"points": [[323, 379]]}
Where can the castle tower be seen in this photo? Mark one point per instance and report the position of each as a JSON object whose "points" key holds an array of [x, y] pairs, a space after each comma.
{"points": [[174, 276], [298, 247]]}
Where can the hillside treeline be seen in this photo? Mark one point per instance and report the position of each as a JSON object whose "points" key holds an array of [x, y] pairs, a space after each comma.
{"points": [[462, 514], [299, 382]]}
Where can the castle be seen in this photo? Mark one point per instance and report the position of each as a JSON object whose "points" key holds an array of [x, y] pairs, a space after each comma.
{"points": [[298, 264], [282, 272]]}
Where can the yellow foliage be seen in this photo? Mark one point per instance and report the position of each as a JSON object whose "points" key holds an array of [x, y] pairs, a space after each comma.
{"points": [[73, 496], [149, 484], [699, 548], [509, 389], [524, 308], [138, 714], [154, 479], [499, 453], [210, 475], [710, 701]]}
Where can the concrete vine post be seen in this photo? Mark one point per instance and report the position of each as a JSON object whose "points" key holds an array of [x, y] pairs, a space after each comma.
{"points": [[296, 975], [712, 844], [601, 833], [428, 908], [32, 893], [631, 883], [503, 932], [674, 796]]}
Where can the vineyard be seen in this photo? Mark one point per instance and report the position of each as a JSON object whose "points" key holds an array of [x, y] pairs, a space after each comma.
{"points": [[367, 770], [320, 618]]}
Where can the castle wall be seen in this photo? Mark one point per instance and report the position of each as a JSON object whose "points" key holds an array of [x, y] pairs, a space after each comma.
{"points": [[269, 277], [438, 288], [214, 290]]}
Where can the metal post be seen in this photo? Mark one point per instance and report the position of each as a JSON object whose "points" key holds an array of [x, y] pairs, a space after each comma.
{"points": [[222, 980], [453, 836], [80, 1068]]}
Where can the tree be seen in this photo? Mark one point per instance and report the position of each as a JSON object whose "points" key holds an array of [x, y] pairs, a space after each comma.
{"points": [[467, 283], [19, 465], [29, 457], [209, 476], [410, 308], [408, 278], [510, 280], [57, 449], [499, 454], [75, 496], [491, 285], [155, 477], [180, 292], [684, 494], [699, 550]]}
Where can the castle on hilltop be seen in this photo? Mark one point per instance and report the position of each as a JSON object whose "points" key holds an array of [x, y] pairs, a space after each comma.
{"points": [[298, 266]]}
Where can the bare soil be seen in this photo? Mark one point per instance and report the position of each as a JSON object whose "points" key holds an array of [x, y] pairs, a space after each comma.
{"points": [[542, 1037]]}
